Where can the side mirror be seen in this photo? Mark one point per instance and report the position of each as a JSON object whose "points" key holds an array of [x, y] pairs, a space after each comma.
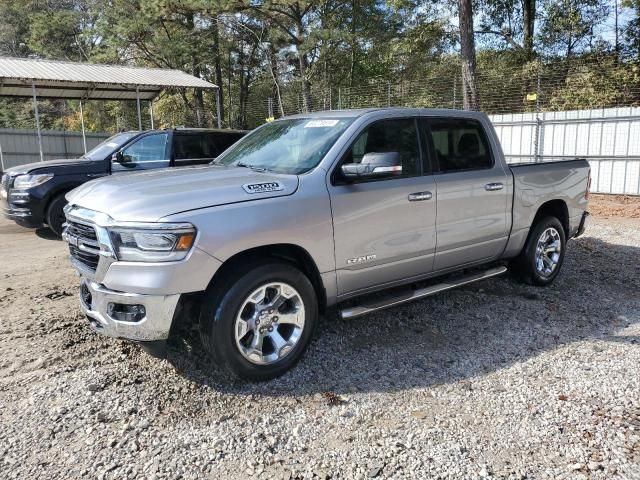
{"points": [[374, 165], [118, 157]]}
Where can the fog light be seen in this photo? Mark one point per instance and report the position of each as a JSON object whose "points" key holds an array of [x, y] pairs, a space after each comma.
{"points": [[124, 312]]}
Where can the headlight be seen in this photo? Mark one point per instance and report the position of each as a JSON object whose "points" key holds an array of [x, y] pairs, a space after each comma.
{"points": [[30, 181], [169, 243]]}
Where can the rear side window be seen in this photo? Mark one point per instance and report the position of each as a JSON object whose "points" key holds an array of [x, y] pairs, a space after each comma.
{"points": [[191, 147], [460, 145]]}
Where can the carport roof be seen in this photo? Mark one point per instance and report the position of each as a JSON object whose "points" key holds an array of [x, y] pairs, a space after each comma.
{"points": [[86, 81]]}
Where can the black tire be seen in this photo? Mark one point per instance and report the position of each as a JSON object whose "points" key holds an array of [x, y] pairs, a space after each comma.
{"points": [[55, 214], [221, 306], [526, 265]]}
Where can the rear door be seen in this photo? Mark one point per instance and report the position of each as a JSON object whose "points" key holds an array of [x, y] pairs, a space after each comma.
{"points": [[473, 217], [384, 229]]}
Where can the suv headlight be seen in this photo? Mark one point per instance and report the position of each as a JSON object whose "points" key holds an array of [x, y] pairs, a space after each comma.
{"points": [[164, 243], [30, 181]]}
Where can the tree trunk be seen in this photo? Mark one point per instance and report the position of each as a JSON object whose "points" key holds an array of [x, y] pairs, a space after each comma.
{"points": [[198, 99], [273, 69], [198, 96], [352, 66], [218, 68], [529, 21], [306, 89], [470, 94], [303, 65]]}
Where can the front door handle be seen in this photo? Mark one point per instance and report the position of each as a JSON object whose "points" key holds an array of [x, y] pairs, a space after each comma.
{"points": [[491, 187], [420, 196]]}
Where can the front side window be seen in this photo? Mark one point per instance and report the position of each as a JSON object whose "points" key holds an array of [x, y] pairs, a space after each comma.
{"points": [[108, 147], [397, 136], [147, 152], [292, 146], [460, 145]]}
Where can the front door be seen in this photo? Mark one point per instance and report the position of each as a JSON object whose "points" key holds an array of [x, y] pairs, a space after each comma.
{"points": [[473, 203], [384, 229]]}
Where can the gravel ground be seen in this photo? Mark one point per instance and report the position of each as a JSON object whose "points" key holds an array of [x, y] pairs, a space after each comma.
{"points": [[494, 380]]}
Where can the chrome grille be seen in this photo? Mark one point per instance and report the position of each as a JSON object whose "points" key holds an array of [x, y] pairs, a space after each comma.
{"points": [[83, 244]]}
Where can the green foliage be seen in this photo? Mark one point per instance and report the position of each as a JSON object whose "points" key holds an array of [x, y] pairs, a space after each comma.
{"points": [[320, 54]]}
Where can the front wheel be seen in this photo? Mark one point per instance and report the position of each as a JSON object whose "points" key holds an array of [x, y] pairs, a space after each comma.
{"points": [[258, 323], [541, 260], [55, 214]]}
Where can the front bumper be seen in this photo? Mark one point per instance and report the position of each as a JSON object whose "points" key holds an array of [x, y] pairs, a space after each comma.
{"points": [[155, 325], [26, 213]]}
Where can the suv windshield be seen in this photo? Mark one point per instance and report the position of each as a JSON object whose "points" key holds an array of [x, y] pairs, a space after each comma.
{"points": [[291, 146], [109, 146]]}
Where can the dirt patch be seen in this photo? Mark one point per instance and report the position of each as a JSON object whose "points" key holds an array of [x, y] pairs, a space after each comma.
{"points": [[607, 206]]}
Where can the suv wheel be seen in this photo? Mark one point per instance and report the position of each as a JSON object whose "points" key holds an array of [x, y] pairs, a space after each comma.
{"points": [[541, 260], [55, 214], [258, 323]]}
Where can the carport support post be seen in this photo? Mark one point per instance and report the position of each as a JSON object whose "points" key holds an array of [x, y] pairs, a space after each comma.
{"points": [[84, 138], [35, 109], [138, 104], [151, 113]]}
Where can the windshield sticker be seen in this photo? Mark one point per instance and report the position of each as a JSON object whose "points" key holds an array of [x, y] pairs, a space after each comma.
{"points": [[321, 123], [262, 187]]}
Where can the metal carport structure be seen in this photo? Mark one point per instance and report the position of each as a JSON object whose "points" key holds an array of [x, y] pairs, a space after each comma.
{"points": [[33, 78]]}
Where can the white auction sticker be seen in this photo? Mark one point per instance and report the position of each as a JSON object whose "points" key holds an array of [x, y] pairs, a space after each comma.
{"points": [[321, 123]]}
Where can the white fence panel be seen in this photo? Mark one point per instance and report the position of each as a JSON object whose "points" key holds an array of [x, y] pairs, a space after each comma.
{"points": [[608, 138]]}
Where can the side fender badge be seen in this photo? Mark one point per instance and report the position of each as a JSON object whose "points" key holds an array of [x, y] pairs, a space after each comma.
{"points": [[262, 187]]}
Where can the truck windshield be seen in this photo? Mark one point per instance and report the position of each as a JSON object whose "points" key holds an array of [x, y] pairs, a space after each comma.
{"points": [[108, 147], [291, 146]]}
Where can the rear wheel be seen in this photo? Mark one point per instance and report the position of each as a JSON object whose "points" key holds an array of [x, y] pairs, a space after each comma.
{"points": [[258, 323], [55, 214], [541, 260]]}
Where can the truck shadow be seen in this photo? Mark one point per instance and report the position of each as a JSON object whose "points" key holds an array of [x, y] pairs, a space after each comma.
{"points": [[47, 234], [456, 335]]}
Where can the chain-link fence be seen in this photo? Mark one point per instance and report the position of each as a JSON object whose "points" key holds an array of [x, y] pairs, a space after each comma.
{"points": [[534, 87], [542, 111]]}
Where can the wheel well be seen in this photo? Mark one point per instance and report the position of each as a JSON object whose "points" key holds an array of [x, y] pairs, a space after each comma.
{"points": [[554, 208], [294, 254]]}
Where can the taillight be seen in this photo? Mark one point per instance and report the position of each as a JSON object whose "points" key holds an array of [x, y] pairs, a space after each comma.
{"points": [[586, 193]]}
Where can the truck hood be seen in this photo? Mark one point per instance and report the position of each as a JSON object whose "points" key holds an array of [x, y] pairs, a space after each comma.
{"points": [[150, 196], [57, 167]]}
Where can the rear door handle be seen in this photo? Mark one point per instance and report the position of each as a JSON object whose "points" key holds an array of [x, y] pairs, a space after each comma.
{"points": [[490, 187], [420, 196]]}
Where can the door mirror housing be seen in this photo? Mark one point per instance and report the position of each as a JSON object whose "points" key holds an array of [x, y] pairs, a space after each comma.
{"points": [[118, 157], [373, 165]]}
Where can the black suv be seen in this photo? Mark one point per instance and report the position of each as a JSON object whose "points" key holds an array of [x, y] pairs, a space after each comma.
{"points": [[34, 193]]}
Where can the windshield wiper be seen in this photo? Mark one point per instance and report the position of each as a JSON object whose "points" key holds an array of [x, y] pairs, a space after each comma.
{"points": [[252, 167]]}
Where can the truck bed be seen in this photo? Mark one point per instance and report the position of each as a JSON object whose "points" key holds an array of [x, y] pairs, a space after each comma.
{"points": [[538, 183]]}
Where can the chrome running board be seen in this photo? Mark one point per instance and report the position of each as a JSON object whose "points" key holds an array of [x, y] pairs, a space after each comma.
{"points": [[411, 295]]}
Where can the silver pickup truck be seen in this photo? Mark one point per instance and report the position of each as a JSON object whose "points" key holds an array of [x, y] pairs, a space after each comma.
{"points": [[310, 212]]}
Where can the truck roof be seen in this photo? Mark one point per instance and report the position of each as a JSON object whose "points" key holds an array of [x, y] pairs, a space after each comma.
{"points": [[358, 112], [188, 129]]}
